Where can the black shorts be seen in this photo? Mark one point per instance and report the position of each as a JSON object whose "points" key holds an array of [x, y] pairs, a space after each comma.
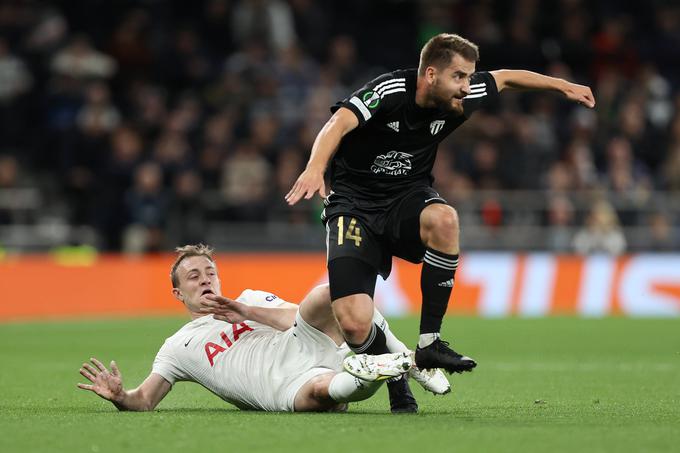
{"points": [[374, 232]]}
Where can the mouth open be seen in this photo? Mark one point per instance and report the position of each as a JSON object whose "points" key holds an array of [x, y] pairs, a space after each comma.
{"points": [[207, 291]]}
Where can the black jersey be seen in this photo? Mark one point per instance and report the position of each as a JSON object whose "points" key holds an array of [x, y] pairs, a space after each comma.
{"points": [[394, 147]]}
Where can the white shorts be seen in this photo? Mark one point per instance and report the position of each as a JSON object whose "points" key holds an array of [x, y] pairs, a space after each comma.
{"points": [[294, 357]]}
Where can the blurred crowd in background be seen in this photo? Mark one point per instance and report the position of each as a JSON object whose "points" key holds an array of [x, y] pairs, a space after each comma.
{"points": [[135, 125]]}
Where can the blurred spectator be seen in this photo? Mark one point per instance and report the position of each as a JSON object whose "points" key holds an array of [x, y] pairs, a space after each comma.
{"points": [[670, 172], [149, 108], [214, 25], [602, 232], [626, 179], [662, 236], [210, 166], [560, 223], [295, 74], [15, 79], [9, 172], [98, 116], [289, 164], [580, 159], [559, 178], [245, 183], [612, 46], [81, 61], [186, 63], [171, 151], [218, 130], [264, 132], [115, 179], [485, 172], [15, 82], [47, 32], [342, 61], [9, 175], [270, 20], [129, 44], [310, 18], [186, 218], [147, 205]]}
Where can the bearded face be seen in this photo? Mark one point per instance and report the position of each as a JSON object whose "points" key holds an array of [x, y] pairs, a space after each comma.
{"points": [[451, 84]]}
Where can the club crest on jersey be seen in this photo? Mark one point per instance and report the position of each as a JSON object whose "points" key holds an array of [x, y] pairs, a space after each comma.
{"points": [[436, 126], [394, 163], [371, 99]]}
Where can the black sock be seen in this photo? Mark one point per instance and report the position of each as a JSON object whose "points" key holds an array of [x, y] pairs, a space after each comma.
{"points": [[375, 344], [436, 283]]}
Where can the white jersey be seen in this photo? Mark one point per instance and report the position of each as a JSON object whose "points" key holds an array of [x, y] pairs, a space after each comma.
{"points": [[249, 364]]}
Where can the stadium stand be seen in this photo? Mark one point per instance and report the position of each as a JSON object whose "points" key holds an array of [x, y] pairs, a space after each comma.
{"points": [[139, 125]]}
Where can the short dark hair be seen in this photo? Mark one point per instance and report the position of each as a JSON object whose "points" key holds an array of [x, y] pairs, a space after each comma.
{"points": [[440, 49], [186, 252]]}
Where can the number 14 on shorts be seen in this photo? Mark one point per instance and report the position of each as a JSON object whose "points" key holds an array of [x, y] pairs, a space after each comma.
{"points": [[353, 232]]}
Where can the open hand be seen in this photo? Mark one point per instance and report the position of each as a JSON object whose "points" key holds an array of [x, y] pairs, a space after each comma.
{"points": [[224, 309], [307, 184], [108, 385]]}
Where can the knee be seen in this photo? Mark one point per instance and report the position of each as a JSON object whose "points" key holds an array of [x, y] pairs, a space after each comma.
{"points": [[320, 390], [314, 396], [322, 399], [355, 330], [355, 317], [441, 221]]}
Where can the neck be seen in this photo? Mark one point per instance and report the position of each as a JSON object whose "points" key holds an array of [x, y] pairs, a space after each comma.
{"points": [[422, 99], [194, 314]]}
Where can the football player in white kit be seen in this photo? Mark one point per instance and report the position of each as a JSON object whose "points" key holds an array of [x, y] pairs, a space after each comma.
{"points": [[256, 352]]}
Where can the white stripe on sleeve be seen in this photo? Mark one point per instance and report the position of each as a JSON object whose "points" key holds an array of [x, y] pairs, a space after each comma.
{"points": [[387, 82]]}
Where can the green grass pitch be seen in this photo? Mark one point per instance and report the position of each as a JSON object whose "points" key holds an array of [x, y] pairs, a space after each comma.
{"points": [[556, 384]]}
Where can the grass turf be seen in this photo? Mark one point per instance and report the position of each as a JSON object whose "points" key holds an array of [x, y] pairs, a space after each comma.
{"points": [[556, 384]]}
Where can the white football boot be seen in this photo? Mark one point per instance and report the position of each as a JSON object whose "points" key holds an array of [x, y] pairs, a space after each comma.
{"points": [[432, 380], [378, 367]]}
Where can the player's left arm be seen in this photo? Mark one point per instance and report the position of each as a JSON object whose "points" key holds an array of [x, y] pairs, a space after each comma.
{"points": [[109, 386], [528, 80], [232, 311]]}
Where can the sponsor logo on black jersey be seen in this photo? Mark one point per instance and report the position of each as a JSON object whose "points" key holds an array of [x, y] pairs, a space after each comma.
{"points": [[394, 125], [436, 126], [393, 163]]}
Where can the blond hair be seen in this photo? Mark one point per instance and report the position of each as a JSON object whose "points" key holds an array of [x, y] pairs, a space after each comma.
{"points": [[187, 251], [440, 49]]}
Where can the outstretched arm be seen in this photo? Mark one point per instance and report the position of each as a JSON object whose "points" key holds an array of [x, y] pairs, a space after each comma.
{"points": [[327, 141], [109, 385], [527, 80]]}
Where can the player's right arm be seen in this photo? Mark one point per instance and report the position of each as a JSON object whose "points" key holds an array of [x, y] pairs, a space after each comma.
{"points": [[326, 144], [109, 385], [280, 317]]}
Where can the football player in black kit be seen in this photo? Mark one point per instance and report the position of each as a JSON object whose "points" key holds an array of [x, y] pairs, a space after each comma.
{"points": [[381, 143]]}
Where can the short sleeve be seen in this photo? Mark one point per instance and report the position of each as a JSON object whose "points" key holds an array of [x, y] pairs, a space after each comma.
{"points": [[374, 97], [483, 93], [257, 298], [166, 365]]}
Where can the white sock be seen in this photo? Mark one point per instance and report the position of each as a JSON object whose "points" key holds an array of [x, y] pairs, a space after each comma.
{"points": [[426, 339], [393, 343], [345, 388]]}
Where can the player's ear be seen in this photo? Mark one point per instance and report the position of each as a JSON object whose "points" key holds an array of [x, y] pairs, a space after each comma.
{"points": [[430, 74], [178, 294]]}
